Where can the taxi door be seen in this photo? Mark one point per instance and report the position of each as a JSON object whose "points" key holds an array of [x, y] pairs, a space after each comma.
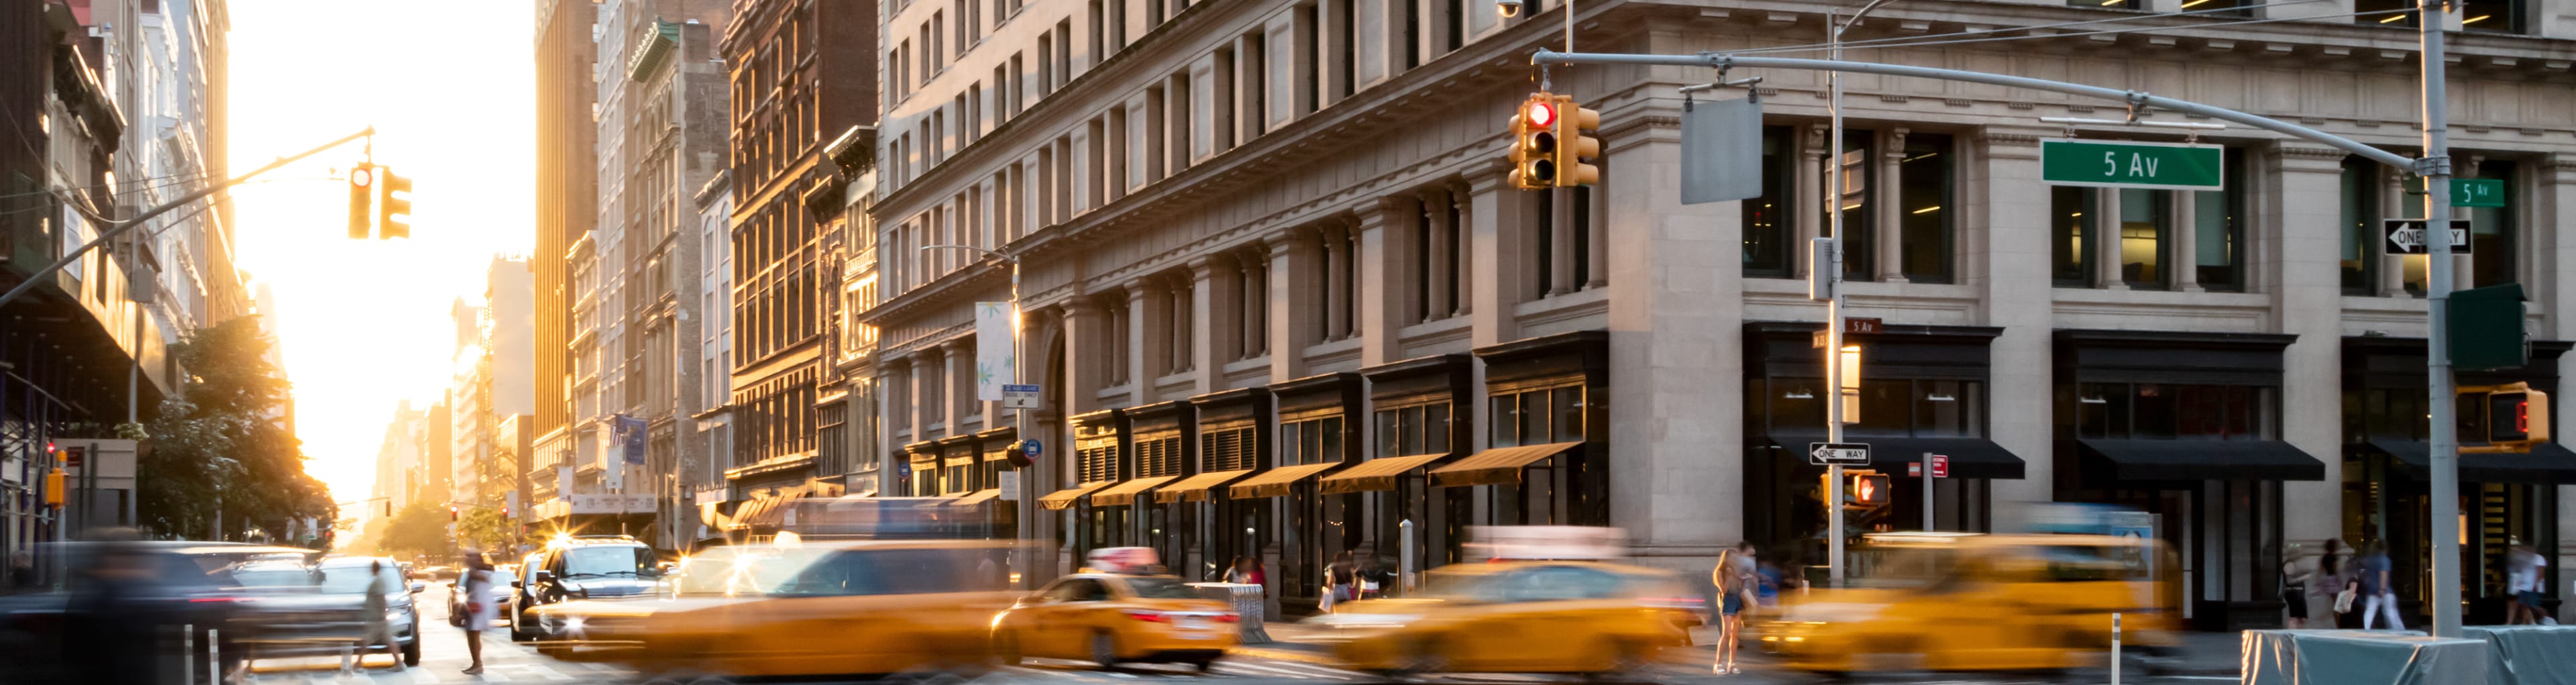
{"points": [[1061, 625]]}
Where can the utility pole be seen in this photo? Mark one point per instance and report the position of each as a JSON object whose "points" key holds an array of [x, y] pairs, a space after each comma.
{"points": [[2435, 168], [1025, 508], [1834, 288]]}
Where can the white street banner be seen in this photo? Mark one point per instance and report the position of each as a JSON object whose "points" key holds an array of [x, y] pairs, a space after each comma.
{"points": [[994, 355]]}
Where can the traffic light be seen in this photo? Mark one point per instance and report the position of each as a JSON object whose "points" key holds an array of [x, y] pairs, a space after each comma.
{"points": [[1575, 127], [2516, 417], [1534, 146], [451, 513], [1869, 490], [389, 508], [362, 201], [56, 485], [393, 200]]}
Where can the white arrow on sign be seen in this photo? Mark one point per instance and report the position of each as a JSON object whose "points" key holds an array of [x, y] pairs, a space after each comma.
{"points": [[2413, 238], [1826, 453]]}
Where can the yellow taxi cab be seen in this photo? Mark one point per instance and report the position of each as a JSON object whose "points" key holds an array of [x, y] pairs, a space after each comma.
{"points": [[838, 608], [1968, 601], [1112, 614], [610, 630], [1520, 617]]}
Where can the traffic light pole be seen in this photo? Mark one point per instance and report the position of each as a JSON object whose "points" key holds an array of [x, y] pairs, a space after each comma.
{"points": [[2435, 168], [120, 226], [1834, 293]]}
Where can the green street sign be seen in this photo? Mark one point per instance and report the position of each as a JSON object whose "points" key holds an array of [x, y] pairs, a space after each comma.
{"points": [[2477, 192], [2165, 166]]}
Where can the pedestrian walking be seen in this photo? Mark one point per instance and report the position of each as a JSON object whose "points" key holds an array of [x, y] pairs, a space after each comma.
{"points": [[2522, 579], [1341, 582], [379, 632], [479, 611], [1736, 582], [2294, 588], [2334, 583], [1238, 571], [2379, 597]]}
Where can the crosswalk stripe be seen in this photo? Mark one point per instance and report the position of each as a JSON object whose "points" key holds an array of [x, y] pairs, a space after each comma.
{"points": [[422, 675], [1292, 673], [548, 673]]}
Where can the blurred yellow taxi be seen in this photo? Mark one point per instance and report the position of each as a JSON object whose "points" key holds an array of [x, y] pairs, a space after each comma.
{"points": [[1966, 601], [840, 608], [1112, 618], [1520, 617]]}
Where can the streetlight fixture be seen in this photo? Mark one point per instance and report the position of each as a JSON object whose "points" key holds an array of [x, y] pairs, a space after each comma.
{"points": [[1833, 292], [1026, 512]]}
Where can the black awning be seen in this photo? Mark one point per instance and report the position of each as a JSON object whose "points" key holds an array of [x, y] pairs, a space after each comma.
{"points": [[2548, 463], [1969, 457], [2176, 460]]}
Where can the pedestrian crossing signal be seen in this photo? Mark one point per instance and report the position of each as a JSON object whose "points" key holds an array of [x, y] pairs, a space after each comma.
{"points": [[1869, 490]]}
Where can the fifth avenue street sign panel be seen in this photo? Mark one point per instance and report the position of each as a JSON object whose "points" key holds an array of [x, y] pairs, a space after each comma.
{"points": [[2165, 166]]}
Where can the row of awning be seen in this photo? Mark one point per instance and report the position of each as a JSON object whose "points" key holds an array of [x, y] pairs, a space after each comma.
{"points": [[1491, 467]]}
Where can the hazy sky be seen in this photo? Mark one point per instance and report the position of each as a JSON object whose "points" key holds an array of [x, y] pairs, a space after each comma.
{"points": [[365, 324]]}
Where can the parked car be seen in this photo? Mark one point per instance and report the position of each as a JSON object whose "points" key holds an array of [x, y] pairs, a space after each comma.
{"points": [[593, 567], [504, 593], [296, 609]]}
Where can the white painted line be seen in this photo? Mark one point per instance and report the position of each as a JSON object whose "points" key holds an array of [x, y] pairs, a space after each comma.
{"points": [[422, 675]]}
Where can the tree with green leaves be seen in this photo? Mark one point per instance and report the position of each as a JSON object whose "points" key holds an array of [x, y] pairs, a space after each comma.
{"points": [[416, 530], [219, 459], [484, 528]]}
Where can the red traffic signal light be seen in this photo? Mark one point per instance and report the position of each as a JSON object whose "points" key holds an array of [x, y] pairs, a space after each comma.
{"points": [[1534, 145], [362, 201], [451, 512]]}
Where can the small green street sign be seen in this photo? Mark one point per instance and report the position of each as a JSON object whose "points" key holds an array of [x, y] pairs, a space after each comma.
{"points": [[2165, 166], [2477, 192]]}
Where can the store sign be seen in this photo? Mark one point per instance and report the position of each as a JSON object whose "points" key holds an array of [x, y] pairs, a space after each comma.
{"points": [[613, 504]]}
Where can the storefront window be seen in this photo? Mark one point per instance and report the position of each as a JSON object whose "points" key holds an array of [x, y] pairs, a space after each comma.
{"points": [[1418, 429], [1767, 231], [2164, 411], [1924, 207], [1312, 441], [1897, 406], [2071, 235], [1860, 243], [1538, 417]]}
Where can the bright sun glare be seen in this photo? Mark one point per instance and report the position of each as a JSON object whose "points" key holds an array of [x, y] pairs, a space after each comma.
{"points": [[365, 324]]}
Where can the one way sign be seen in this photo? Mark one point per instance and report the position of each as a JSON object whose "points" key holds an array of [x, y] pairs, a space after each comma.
{"points": [[2406, 236], [1844, 453]]}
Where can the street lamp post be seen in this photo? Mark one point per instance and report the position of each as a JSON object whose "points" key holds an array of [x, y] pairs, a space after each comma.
{"points": [[1834, 290], [1025, 507]]}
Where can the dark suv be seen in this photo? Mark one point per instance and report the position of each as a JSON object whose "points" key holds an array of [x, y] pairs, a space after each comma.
{"points": [[598, 567]]}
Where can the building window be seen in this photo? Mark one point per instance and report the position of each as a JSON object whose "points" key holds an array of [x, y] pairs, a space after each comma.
{"points": [[1860, 242], [1311, 441], [2395, 13], [1251, 318], [1413, 430], [2146, 237], [1537, 417], [2492, 239], [1768, 233], [2072, 235], [1159, 455], [2503, 16], [1116, 317], [2164, 411], [2361, 233], [2218, 230], [1232, 448], [1924, 206], [1562, 232]]}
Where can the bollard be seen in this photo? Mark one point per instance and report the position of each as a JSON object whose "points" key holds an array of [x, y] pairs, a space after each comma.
{"points": [[187, 653], [2115, 649], [214, 658], [1404, 571]]}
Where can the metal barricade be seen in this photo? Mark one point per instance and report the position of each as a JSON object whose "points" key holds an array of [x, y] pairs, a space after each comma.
{"points": [[1248, 604]]}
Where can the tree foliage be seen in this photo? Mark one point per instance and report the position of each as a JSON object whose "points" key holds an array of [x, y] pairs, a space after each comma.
{"points": [[484, 528], [220, 452], [416, 530]]}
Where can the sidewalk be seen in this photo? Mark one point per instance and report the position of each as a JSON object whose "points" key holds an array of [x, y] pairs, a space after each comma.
{"points": [[2201, 653]]}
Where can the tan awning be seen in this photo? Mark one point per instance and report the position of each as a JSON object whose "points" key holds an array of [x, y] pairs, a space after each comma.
{"points": [[1196, 488], [977, 497], [1497, 466], [1375, 474], [1278, 481], [708, 514], [765, 510], [1064, 499], [1125, 493]]}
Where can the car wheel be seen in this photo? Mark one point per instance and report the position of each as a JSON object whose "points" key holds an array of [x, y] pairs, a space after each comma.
{"points": [[1424, 656], [1104, 649], [1204, 663], [517, 635], [1627, 663], [411, 653]]}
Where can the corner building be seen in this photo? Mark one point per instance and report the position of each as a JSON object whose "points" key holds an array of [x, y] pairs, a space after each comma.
{"points": [[1282, 300]]}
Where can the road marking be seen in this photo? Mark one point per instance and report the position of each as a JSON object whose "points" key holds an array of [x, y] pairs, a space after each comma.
{"points": [[422, 675], [1291, 673], [547, 673]]}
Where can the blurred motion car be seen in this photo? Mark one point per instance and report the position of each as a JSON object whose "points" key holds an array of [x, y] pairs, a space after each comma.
{"points": [[1113, 618], [1519, 617], [837, 608], [177, 582], [289, 608], [578, 567], [609, 629], [1978, 602]]}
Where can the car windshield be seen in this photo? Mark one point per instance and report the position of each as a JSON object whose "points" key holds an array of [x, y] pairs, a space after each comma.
{"points": [[351, 580], [272, 577], [1161, 588], [608, 560], [728, 572]]}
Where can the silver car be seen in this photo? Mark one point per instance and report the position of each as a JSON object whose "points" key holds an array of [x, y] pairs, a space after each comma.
{"points": [[292, 608]]}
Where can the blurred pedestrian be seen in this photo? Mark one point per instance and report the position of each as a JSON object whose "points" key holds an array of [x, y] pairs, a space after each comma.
{"points": [[1372, 578], [379, 632], [1235, 573], [1341, 582], [112, 622], [1736, 582], [2294, 588], [2378, 595], [2522, 578], [2334, 584], [479, 610]]}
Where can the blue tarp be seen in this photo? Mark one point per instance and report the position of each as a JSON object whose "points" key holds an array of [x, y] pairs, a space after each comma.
{"points": [[2352, 657]]}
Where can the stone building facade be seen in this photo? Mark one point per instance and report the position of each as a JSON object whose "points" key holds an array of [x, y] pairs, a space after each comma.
{"points": [[1282, 298]]}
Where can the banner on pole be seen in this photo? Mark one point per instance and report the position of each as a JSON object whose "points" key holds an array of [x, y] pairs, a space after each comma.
{"points": [[995, 343]]}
